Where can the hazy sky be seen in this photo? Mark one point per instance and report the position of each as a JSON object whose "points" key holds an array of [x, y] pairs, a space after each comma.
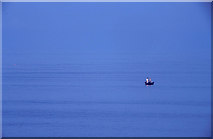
{"points": [[67, 32]]}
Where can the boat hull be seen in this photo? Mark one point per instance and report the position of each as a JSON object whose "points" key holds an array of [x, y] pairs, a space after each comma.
{"points": [[152, 83]]}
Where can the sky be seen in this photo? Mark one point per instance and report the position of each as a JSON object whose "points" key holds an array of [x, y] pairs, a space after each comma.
{"points": [[57, 32]]}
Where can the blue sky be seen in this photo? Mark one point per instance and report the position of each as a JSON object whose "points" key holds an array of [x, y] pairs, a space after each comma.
{"points": [[163, 31]]}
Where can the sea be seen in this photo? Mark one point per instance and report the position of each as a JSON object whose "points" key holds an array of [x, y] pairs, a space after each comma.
{"points": [[108, 99]]}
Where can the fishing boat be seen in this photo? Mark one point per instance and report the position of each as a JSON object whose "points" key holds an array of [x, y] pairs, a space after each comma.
{"points": [[149, 83]]}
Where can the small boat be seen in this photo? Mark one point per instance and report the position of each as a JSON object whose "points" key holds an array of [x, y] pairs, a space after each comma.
{"points": [[149, 83]]}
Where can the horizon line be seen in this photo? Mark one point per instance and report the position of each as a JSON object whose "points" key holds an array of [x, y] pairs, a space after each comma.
{"points": [[106, 0]]}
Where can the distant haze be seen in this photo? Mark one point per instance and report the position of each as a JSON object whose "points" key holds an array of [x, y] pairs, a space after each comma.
{"points": [[78, 69]]}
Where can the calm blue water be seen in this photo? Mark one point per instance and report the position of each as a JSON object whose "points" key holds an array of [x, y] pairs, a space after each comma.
{"points": [[60, 80]]}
